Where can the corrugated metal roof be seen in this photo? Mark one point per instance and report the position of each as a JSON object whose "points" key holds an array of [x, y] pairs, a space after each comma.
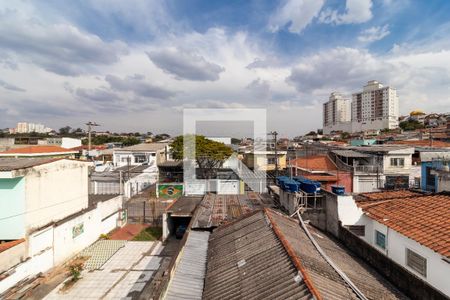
{"points": [[188, 280], [215, 210]]}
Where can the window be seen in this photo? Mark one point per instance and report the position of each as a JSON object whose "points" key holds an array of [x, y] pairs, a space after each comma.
{"points": [[380, 239], [139, 159], [271, 160], [416, 262], [397, 162]]}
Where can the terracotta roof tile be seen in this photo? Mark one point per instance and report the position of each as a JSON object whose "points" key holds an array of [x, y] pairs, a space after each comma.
{"points": [[37, 150], [423, 218], [315, 163]]}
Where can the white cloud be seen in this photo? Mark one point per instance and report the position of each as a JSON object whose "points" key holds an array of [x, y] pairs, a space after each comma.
{"points": [[356, 11], [185, 64], [60, 48], [297, 13], [374, 33]]}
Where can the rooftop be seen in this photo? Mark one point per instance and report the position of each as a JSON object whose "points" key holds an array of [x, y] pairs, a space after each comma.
{"points": [[10, 164], [350, 153], [364, 199], [315, 163], [268, 255], [144, 147], [215, 210], [386, 148], [38, 150], [423, 218], [184, 206], [423, 143]]}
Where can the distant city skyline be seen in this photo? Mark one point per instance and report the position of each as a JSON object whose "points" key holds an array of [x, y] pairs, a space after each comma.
{"points": [[134, 65]]}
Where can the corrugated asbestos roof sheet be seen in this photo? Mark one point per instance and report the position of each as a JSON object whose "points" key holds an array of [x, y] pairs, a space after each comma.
{"points": [[187, 282], [246, 260], [350, 153], [215, 210], [267, 255], [9, 164]]}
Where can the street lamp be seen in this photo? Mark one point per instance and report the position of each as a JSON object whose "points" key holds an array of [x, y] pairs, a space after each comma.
{"points": [[90, 125]]}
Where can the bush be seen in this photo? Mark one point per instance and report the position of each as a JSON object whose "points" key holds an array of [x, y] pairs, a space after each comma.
{"points": [[75, 270]]}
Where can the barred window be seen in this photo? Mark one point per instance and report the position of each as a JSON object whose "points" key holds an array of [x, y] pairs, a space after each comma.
{"points": [[380, 239]]}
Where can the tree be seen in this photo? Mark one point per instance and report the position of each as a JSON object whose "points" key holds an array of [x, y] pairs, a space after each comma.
{"points": [[235, 141], [209, 155], [162, 136], [345, 135], [410, 125], [65, 130]]}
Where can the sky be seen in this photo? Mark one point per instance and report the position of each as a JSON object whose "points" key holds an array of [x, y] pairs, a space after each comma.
{"points": [[135, 65]]}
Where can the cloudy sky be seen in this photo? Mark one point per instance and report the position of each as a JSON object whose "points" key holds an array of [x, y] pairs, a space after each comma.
{"points": [[135, 65]]}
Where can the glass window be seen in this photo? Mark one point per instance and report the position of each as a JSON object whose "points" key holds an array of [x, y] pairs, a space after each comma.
{"points": [[416, 262], [380, 239], [139, 159], [397, 162]]}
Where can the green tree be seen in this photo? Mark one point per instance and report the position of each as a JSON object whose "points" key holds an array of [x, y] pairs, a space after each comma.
{"points": [[209, 154], [65, 130], [411, 125]]}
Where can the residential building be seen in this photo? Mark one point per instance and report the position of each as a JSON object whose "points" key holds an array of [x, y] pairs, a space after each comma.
{"points": [[434, 169], [47, 216], [64, 142], [265, 160], [337, 114], [149, 154], [24, 127], [40, 151], [378, 166], [376, 107], [322, 169], [408, 227]]}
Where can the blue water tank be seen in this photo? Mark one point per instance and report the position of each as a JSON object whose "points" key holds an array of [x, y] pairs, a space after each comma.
{"points": [[281, 179], [338, 189], [291, 186], [307, 185]]}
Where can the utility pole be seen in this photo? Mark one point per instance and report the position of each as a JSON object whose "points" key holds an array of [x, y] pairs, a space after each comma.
{"points": [[90, 125], [274, 134]]}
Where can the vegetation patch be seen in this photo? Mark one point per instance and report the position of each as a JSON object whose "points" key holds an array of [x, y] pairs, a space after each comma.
{"points": [[149, 234]]}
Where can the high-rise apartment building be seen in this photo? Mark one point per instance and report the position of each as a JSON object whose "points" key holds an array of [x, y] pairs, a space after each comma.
{"points": [[376, 107], [337, 114], [22, 127]]}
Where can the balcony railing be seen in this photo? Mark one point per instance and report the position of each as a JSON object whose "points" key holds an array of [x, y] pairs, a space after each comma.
{"points": [[369, 169]]}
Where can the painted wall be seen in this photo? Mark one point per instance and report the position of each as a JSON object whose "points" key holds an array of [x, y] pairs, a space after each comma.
{"points": [[56, 244], [54, 191], [12, 208]]}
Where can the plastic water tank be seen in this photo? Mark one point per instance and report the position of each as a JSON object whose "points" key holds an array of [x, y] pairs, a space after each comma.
{"points": [[338, 189]]}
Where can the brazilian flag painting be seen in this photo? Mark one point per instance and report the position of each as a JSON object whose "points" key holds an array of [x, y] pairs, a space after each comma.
{"points": [[170, 191]]}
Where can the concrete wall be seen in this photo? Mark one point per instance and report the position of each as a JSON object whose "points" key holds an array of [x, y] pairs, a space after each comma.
{"points": [[54, 191], [12, 256], [59, 242], [12, 208]]}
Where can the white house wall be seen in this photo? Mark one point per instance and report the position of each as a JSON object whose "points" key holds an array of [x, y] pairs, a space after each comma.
{"points": [[56, 244], [438, 271], [54, 191]]}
